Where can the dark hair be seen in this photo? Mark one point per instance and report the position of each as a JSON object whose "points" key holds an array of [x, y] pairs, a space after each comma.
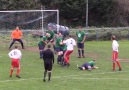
{"points": [[113, 37], [70, 36], [48, 46], [16, 47]]}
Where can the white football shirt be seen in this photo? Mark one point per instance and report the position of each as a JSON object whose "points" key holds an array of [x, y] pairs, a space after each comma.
{"points": [[15, 54], [70, 43], [115, 45]]}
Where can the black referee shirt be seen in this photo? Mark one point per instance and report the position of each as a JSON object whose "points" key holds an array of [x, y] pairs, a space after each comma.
{"points": [[48, 56]]}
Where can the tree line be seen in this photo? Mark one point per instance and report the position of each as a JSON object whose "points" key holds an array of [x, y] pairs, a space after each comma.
{"points": [[101, 13]]}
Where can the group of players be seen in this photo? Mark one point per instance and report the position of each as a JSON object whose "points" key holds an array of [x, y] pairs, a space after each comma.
{"points": [[63, 48]]}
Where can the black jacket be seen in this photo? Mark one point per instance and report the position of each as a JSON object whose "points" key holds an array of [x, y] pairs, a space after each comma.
{"points": [[48, 56]]}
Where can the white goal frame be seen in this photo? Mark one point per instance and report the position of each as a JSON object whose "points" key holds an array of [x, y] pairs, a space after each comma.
{"points": [[43, 31]]}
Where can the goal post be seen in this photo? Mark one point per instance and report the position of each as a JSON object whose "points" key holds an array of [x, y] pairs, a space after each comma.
{"points": [[30, 21]]}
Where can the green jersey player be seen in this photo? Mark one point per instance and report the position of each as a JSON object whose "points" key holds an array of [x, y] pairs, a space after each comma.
{"points": [[81, 36], [42, 43]]}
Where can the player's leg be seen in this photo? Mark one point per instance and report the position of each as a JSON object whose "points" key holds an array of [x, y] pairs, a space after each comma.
{"points": [[41, 48], [13, 41], [11, 70], [45, 71], [58, 50], [13, 63], [114, 61], [67, 56], [18, 69], [19, 40], [49, 72], [118, 63], [79, 50], [82, 49]]}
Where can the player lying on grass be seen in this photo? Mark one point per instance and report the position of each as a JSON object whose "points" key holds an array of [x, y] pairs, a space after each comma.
{"points": [[88, 65]]}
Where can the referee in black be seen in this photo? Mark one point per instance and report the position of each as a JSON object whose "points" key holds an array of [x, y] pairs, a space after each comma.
{"points": [[48, 58]]}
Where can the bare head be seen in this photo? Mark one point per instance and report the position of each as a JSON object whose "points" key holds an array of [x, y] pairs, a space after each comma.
{"points": [[80, 28], [16, 47], [59, 34], [94, 60], [49, 46], [49, 28], [113, 37], [17, 28]]}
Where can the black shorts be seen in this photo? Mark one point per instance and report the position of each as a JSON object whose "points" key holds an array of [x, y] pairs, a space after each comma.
{"points": [[41, 47], [58, 49], [80, 45], [48, 66]]}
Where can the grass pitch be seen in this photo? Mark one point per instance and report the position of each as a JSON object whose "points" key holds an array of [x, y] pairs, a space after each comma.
{"points": [[70, 78]]}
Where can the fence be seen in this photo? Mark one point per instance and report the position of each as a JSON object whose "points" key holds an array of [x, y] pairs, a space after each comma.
{"points": [[102, 34]]}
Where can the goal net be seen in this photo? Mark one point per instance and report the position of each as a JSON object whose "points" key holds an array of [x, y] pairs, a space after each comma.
{"points": [[31, 22]]}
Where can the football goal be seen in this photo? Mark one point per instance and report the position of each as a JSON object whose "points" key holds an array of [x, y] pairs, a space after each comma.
{"points": [[30, 21]]}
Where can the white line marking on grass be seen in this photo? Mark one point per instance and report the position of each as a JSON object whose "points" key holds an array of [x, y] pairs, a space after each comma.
{"points": [[74, 77]]}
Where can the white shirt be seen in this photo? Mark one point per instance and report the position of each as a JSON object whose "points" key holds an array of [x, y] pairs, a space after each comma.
{"points": [[16, 54], [70, 43], [115, 45]]}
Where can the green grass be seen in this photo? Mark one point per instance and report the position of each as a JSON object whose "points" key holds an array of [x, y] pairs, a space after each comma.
{"points": [[68, 78]]}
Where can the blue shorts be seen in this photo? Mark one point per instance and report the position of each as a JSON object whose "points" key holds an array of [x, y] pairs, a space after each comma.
{"points": [[58, 49], [41, 47], [85, 65], [80, 45]]}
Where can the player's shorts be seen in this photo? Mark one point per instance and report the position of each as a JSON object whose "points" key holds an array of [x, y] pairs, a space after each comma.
{"points": [[41, 47], [114, 55], [80, 45], [58, 49], [86, 65], [15, 63], [48, 66]]}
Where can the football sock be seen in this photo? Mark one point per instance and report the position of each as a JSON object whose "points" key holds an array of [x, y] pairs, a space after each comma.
{"points": [[79, 53], [49, 76], [114, 66], [11, 72], [59, 58], [82, 52], [41, 54], [118, 63], [18, 71], [45, 72], [80, 68]]}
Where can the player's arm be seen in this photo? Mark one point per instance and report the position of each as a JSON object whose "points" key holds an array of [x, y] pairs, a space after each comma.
{"points": [[10, 54], [52, 36], [84, 38], [43, 40]]}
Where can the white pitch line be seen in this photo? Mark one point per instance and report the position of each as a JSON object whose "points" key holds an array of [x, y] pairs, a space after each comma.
{"points": [[75, 77]]}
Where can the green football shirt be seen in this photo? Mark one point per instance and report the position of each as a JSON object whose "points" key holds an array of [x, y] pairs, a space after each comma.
{"points": [[44, 38], [58, 40], [80, 35], [51, 34]]}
